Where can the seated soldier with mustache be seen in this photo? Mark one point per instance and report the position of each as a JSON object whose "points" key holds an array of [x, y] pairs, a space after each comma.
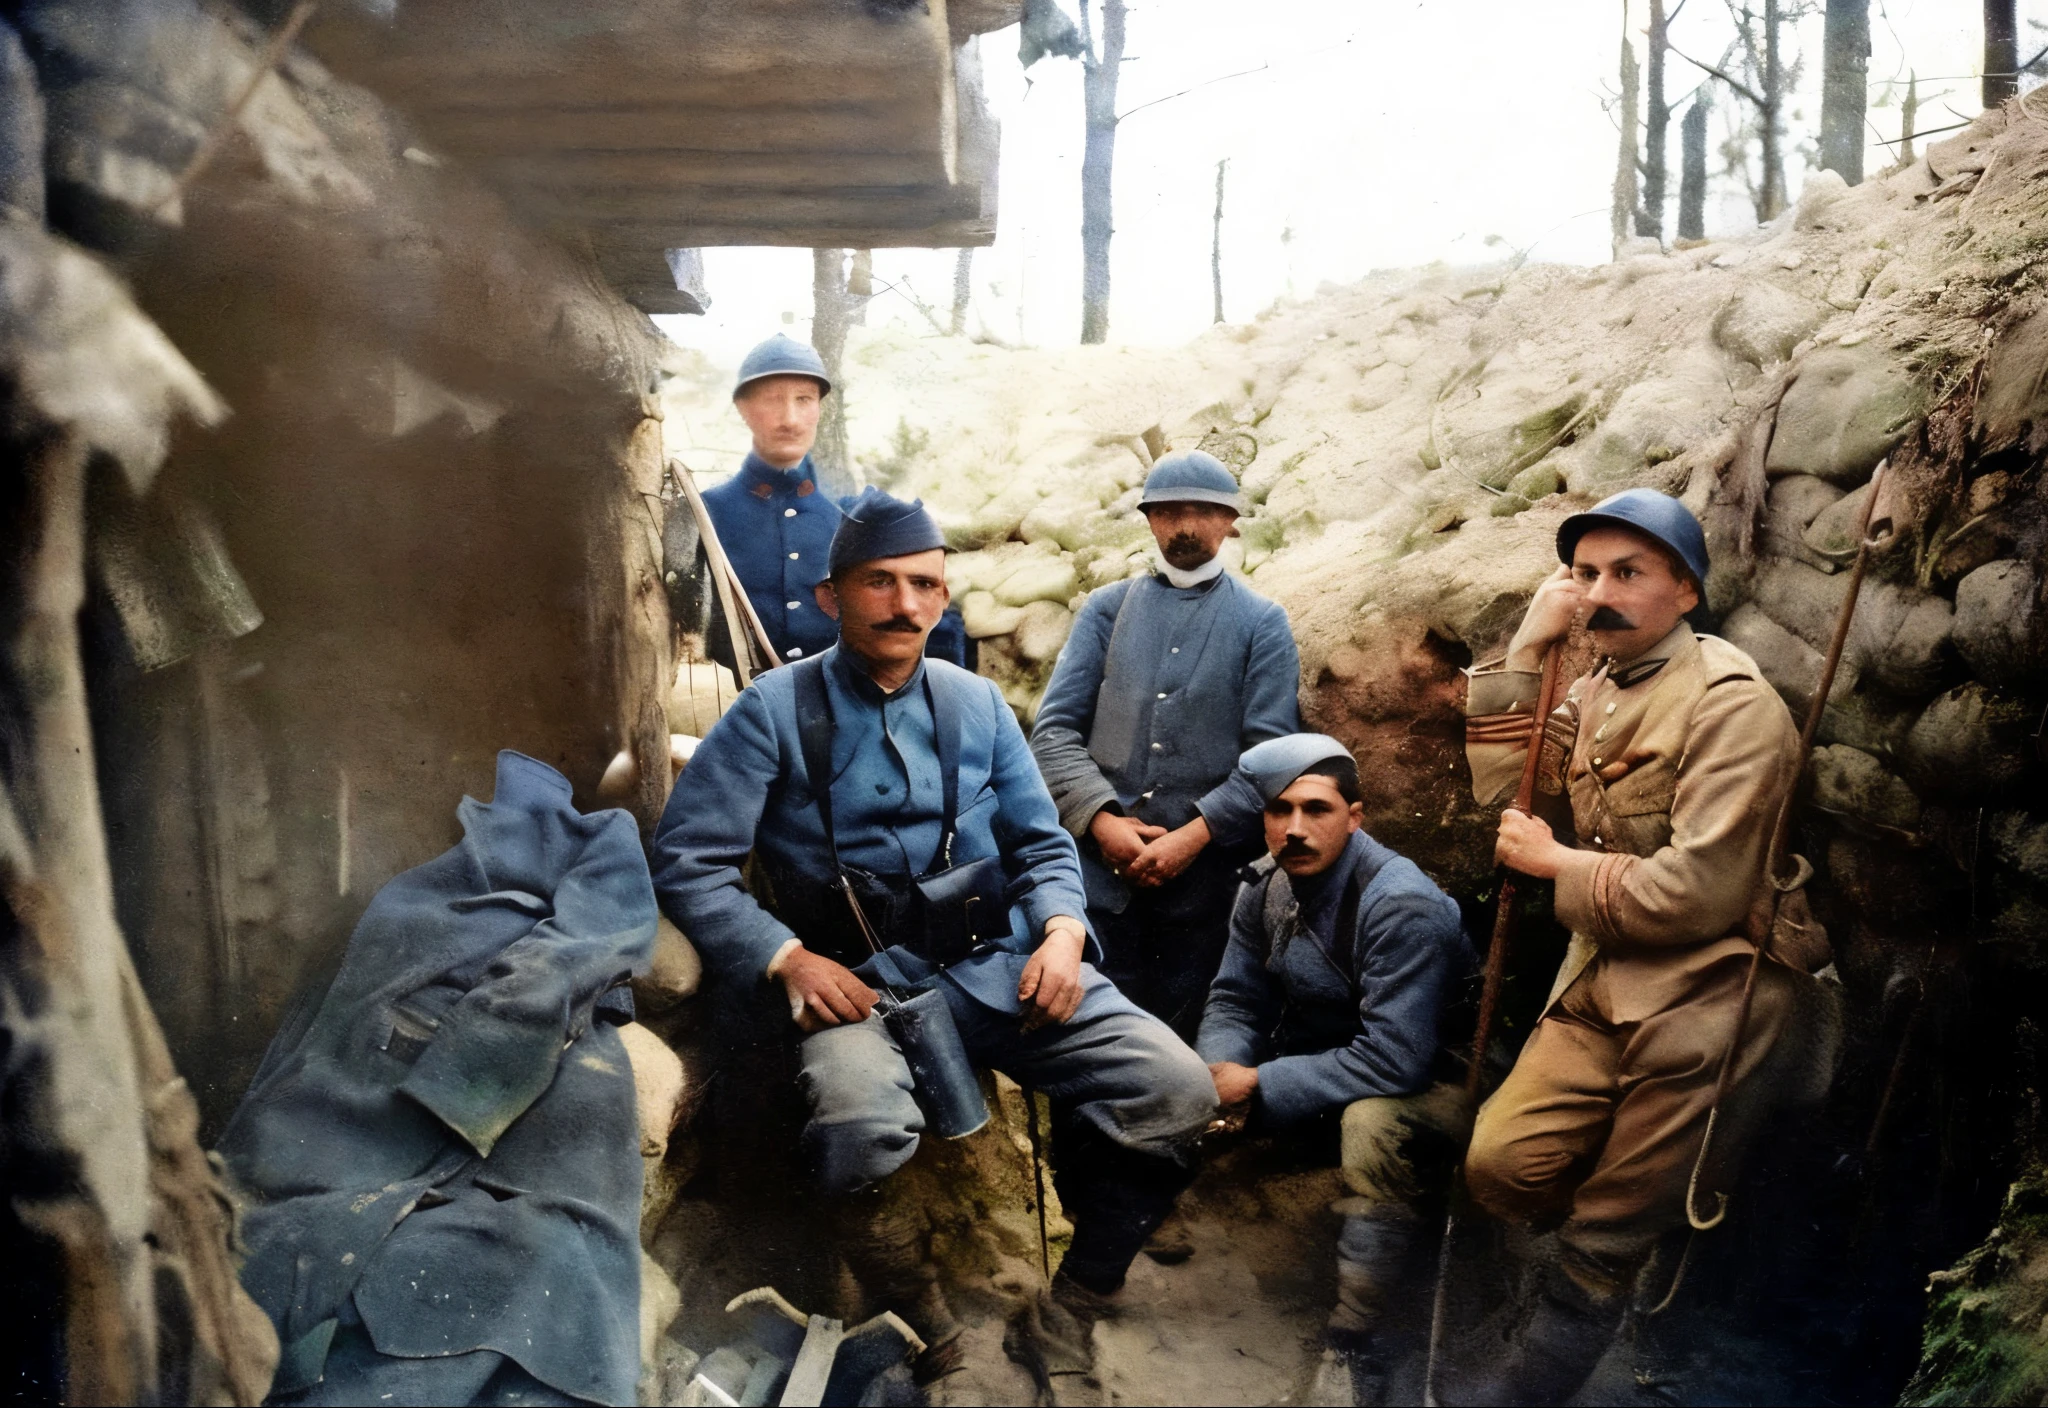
{"points": [[857, 778], [1326, 1023]]}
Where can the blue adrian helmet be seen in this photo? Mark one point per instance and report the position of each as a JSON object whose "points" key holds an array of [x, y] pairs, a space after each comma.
{"points": [[782, 355], [1190, 476], [1647, 511]]}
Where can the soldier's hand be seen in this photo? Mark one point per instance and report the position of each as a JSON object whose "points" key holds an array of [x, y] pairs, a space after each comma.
{"points": [[1234, 1087], [1121, 838], [1526, 844], [1170, 854], [1050, 987], [823, 993], [1549, 618]]}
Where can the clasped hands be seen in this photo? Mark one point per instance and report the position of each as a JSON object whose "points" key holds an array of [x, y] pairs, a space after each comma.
{"points": [[1146, 855], [823, 993]]}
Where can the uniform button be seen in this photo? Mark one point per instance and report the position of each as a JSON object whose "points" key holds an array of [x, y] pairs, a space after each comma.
{"points": [[1176, 650], [795, 651], [792, 557], [1158, 747], [1162, 696], [789, 513], [1596, 762], [792, 605]]}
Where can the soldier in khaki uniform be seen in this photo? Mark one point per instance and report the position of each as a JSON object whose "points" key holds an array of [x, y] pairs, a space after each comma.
{"points": [[1675, 758]]}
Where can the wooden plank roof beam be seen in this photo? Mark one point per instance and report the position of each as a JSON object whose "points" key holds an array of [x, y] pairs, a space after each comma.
{"points": [[635, 126]]}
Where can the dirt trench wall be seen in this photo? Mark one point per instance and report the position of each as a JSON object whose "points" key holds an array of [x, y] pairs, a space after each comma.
{"points": [[428, 496]]}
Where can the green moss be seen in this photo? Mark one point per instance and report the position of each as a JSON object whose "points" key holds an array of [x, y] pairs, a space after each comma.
{"points": [[1983, 1343]]}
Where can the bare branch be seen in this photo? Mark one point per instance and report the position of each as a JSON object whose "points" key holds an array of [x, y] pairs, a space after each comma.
{"points": [[1737, 84], [1185, 91], [1923, 132]]}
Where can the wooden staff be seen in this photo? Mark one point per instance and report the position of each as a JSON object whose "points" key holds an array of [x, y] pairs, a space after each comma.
{"points": [[731, 595], [1489, 996]]}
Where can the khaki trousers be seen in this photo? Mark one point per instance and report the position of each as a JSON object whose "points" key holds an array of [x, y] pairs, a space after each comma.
{"points": [[1400, 1151], [1600, 1121]]}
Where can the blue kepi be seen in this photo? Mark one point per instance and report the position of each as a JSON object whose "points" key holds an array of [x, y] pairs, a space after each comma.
{"points": [[878, 524]]}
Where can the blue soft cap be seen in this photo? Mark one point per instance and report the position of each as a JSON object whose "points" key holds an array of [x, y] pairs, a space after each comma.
{"points": [[1191, 476], [879, 525], [1658, 515], [1275, 764], [782, 355]]}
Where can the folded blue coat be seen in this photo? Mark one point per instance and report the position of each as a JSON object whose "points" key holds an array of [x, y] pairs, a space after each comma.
{"points": [[444, 1143]]}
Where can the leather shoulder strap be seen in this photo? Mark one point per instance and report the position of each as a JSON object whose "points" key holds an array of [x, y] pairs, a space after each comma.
{"points": [[943, 696], [814, 738], [1276, 900]]}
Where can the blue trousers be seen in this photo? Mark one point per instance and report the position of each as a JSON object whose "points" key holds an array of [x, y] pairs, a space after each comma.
{"points": [[1129, 1101]]}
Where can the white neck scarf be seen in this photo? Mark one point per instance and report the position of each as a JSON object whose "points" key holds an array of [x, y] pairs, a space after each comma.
{"points": [[1207, 572]]}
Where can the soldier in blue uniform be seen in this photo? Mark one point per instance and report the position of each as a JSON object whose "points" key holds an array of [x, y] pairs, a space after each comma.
{"points": [[929, 774], [774, 522], [1327, 1024], [1165, 680]]}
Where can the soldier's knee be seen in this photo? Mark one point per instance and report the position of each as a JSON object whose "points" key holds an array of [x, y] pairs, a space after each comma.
{"points": [[1370, 1151], [848, 1155], [864, 1121], [1167, 1096], [1515, 1179]]}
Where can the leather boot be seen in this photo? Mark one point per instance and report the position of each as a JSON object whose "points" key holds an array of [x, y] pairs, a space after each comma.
{"points": [[1372, 1257], [1053, 1336], [1170, 1244], [884, 1246], [1568, 1330]]}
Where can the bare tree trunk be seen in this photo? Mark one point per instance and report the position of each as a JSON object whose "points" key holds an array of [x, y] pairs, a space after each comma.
{"points": [[1097, 160], [1909, 113], [860, 287], [1656, 127], [963, 288], [828, 335], [2001, 52], [1623, 214], [1692, 178], [1216, 243], [1770, 201], [1845, 88]]}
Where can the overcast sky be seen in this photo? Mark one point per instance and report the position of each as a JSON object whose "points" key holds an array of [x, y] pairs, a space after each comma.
{"points": [[1372, 134]]}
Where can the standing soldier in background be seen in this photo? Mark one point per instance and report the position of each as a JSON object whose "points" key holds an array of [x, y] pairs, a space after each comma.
{"points": [[1677, 756], [774, 523], [1165, 680]]}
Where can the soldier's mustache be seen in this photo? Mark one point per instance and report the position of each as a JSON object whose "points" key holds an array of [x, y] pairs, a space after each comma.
{"points": [[1296, 846], [1606, 618], [900, 625], [1185, 550]]}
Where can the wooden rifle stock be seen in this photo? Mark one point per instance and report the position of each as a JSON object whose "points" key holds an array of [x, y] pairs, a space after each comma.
{"points": [[1489, 996]]}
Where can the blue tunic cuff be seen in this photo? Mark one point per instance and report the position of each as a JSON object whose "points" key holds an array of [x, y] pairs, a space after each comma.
{"points": [[1295, 1089]]}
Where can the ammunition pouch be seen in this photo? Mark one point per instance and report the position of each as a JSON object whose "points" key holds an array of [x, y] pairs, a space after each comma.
{"points": [[943, 917]]}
